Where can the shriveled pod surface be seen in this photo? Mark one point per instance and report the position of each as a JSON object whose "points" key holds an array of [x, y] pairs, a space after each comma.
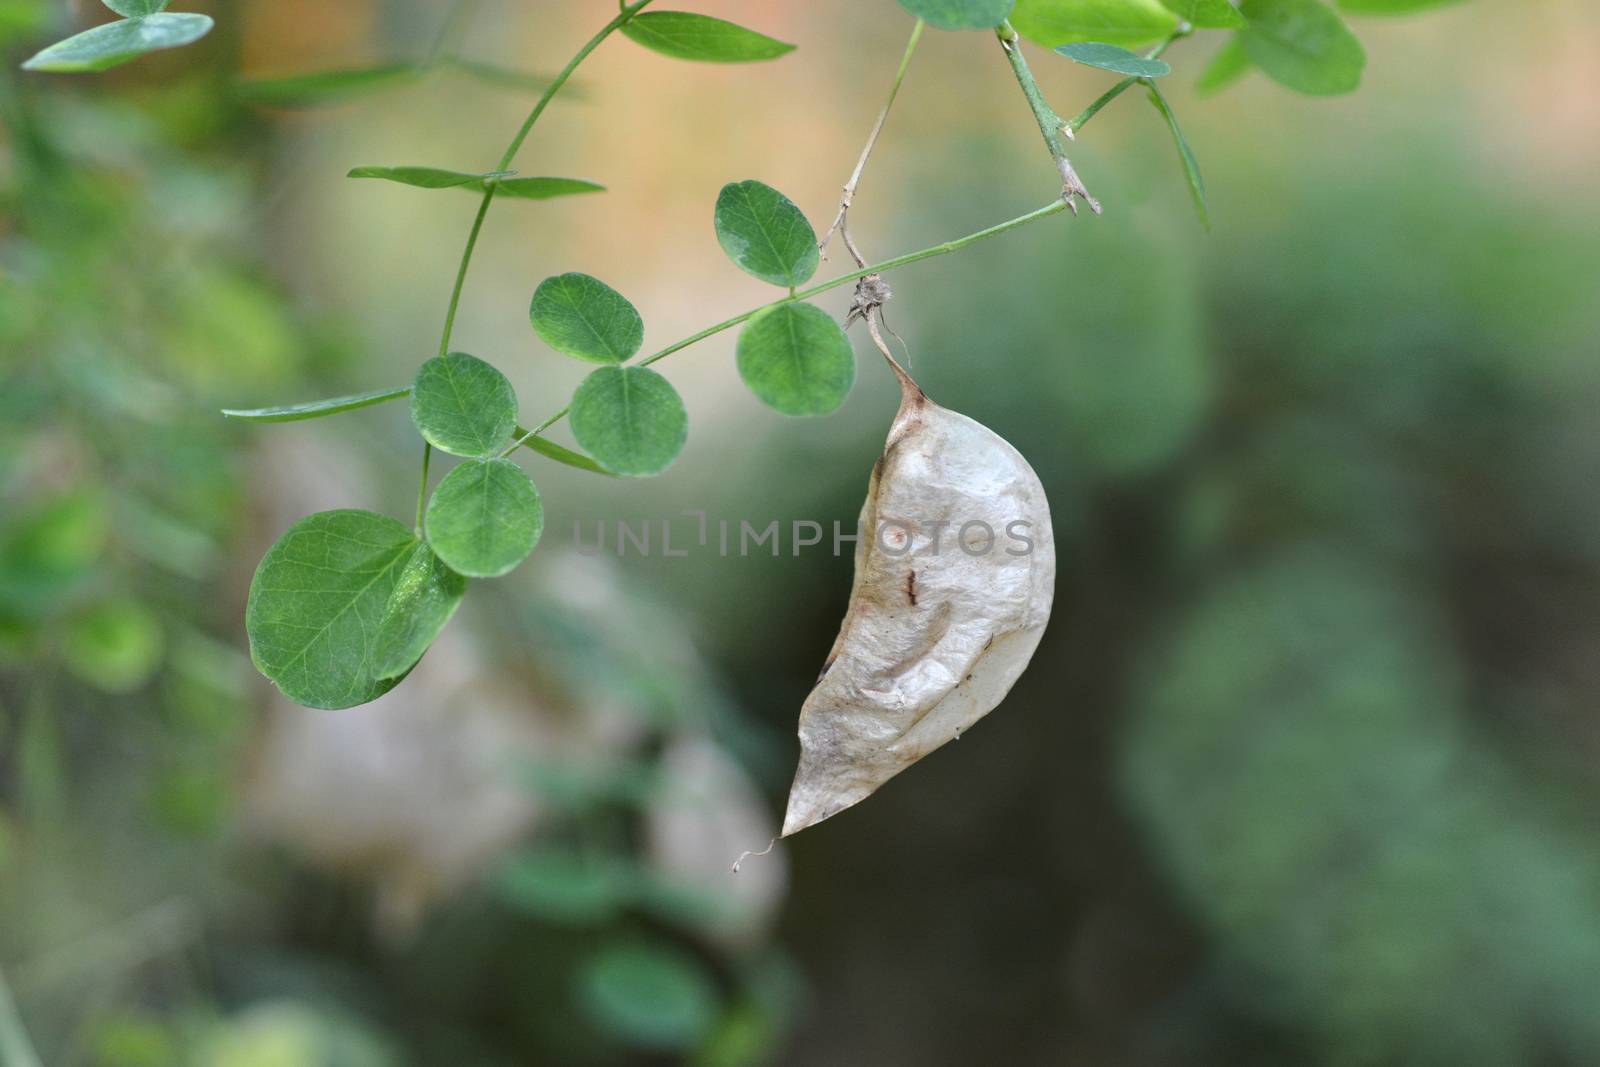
{"points": [[940, 623]]}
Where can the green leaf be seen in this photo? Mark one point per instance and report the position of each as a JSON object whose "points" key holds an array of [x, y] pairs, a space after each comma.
{"points": [[545, 188], [1390, 7], [565, 887], [651, 996], [425, 596], [630, 419], [132, 9], [1207, 14], [960, 14], [1115, 59], [1302, 45], [796, 359], [421, 177], [701, 37], [484, 518], [585, 318], [325, 86], [462, 405], [316, 603], [316, 409], [518, 188], [765, 233], [550, 450], [117, 42], [1124, 22], [1191, 166], [1230, 64]]}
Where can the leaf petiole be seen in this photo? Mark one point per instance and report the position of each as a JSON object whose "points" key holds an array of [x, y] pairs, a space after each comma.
{"points": [[422, 489], [1122, 86], [316, 409]]}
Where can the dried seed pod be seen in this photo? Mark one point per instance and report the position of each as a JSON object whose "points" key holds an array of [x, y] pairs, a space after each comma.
{"points": [[955, 572]]}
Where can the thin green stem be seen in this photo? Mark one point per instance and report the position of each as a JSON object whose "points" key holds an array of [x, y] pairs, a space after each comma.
{"points": [[422, 489], [523, 435], [1121, 87], [943, 249], [1053, 208], [849, 193], [461, 270], [625, 13], [1051, 125]]}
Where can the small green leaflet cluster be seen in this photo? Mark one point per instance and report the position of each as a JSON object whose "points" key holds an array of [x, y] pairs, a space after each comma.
{"points": [[1301, 44], [346, 602], [629, 418], [145, 26], [792, 355]]}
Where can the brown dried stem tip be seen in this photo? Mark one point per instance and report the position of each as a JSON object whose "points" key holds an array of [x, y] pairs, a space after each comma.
{"points": [[841, 223]]}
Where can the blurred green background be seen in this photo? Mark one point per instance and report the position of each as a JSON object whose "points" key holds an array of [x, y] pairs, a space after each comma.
{"points": [[1306, 771]]}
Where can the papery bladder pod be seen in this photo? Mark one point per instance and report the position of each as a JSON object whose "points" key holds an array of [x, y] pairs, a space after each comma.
{"points": [[943, 616]]}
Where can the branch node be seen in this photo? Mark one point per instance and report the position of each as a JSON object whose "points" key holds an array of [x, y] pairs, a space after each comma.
{"points": [[872, 292]]}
